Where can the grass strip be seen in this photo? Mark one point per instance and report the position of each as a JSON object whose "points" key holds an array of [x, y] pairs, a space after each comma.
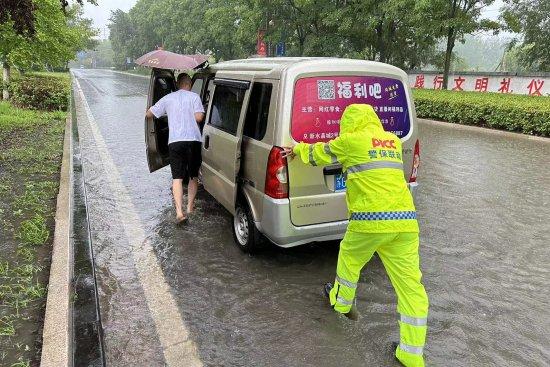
{"points": [[31, 146]]}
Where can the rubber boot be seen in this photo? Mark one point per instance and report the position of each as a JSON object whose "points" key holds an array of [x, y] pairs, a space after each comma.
{"points": [[394, 346], [327, 289]]}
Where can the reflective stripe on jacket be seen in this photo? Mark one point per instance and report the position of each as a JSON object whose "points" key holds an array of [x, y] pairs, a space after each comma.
{"points": [[377, 195]]}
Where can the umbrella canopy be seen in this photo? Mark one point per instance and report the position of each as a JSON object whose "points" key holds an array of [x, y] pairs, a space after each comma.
{"points": [[169, 60]]}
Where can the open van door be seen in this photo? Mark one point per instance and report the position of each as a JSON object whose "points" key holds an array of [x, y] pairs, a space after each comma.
{"points": [[222, 136], [161, 83]]}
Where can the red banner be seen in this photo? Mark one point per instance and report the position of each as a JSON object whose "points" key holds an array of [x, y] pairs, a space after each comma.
{"points": [[261, 47]]}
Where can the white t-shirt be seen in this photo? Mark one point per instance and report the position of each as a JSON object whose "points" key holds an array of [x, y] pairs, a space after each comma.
{"points": [[180, 107]]}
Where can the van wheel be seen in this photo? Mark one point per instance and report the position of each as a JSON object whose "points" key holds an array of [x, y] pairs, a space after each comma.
{"points": [[245, 233]]}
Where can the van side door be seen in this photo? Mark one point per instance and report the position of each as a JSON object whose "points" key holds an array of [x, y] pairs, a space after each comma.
{"points": [[162, 82], [222, 136]]}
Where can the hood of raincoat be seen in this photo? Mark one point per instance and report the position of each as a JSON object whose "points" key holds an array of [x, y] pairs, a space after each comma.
{"points": [[357, 117]]}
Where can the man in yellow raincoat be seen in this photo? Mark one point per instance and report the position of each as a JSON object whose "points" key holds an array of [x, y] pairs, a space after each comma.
{"points": [[382, 219]]}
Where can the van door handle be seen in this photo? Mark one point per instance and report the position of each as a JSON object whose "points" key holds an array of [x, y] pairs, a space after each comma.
{"points": [[206, 141], [332, 170]]}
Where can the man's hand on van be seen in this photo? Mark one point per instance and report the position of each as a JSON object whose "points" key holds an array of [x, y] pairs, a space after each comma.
{"points": [[288, 152]]}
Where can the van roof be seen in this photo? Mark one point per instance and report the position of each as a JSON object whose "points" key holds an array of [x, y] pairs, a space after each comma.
{"points": [[273, 67]]}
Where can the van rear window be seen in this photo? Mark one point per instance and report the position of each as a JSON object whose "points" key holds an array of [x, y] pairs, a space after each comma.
{"points": [[320, 101]]}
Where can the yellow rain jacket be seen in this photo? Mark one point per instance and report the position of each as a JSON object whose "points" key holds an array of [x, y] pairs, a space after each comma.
{"points": [[377, 195]]}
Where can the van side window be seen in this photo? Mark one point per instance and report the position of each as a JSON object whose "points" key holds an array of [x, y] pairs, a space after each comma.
{"points": [[163, 86], [255, 124], [208, 92], [226, 108], [197, 85]]}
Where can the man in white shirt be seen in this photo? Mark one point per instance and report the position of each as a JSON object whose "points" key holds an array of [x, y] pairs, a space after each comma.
{"points": [[185, 112]]}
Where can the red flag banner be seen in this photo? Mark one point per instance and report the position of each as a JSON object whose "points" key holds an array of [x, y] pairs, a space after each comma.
{"points": [[261, 47]]}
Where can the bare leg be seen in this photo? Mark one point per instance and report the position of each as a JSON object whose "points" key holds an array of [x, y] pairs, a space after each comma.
{"points": [[177, 191], [191, 193]]}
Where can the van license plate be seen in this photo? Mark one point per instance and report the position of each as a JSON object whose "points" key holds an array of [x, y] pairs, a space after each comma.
{"points": [[339, 182]]}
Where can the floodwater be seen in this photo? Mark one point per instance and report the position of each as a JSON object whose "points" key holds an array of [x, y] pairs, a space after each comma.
{"points": [[484, 209]]}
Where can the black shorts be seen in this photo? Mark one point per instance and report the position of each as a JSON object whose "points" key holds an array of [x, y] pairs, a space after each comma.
{"points": [[185, 159]]}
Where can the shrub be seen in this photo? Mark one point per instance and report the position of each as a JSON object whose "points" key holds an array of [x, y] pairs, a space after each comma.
{"points": [[41, 92], [526, 114]]}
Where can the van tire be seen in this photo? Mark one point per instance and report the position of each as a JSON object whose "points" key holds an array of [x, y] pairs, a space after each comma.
{"points": [[245, 234]]}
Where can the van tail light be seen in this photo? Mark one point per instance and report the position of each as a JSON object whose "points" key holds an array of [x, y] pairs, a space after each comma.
{"points": [[416, 161], [276, 178]]}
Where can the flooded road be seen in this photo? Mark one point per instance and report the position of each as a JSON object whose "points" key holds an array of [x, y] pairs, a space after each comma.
{"points": [[168, 293]]}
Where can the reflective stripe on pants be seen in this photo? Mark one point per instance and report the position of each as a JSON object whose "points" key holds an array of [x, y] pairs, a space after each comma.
{"points": [[411, 349], [342, 294], [345, 282], [413, 336], [415, 321]]}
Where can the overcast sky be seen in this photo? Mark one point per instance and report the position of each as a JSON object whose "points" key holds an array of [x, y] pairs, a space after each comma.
{"points": [[101, 13]]}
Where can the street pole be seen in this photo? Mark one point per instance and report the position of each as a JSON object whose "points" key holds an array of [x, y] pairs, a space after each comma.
{"points": [[271, 23]]}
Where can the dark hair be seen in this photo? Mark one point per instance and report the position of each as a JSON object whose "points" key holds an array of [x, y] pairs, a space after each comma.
{"points": [[183, 79]]}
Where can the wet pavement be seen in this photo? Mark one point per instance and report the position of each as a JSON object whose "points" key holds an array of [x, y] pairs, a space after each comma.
{"points": [[188, 296]]}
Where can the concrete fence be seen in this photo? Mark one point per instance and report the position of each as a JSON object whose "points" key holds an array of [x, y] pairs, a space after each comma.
{"points": [[534, 85]]}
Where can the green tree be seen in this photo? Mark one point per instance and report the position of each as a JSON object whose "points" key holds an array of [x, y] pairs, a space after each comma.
{"points": [[458, 18], [401, 32], [391, 31], [21, 14], [532, 20], [122, 35], [57, 36]]}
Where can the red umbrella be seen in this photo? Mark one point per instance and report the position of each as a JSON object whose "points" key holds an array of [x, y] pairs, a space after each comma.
{"points": [[169, 60]]}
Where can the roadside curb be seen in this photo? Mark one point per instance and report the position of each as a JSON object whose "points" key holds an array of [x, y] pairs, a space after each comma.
{"points": [[56, 336], [484, 129]]}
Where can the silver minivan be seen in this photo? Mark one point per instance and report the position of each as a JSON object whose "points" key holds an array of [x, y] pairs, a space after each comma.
{"points": [[257, 106]]}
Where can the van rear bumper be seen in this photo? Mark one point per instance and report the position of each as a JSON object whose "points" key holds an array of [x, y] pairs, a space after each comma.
{"points": [[277, 227]]}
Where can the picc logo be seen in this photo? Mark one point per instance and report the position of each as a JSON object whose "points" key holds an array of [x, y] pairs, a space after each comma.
{"points": [[383, 143]]}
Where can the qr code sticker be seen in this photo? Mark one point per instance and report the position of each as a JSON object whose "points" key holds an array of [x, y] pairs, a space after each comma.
{"points": [[325, 89]]}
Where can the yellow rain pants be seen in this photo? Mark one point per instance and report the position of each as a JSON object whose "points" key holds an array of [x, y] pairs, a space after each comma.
{"points": [[399, 254]]}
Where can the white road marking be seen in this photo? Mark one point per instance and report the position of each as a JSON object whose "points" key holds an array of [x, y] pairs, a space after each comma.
{"points": [[178, 348]]}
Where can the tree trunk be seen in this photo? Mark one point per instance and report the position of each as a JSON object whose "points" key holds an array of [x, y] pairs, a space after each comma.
{"points": [[301, 44], [6, 80], [301, 40], [389, 47], [451, 34], [380, 41]]}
